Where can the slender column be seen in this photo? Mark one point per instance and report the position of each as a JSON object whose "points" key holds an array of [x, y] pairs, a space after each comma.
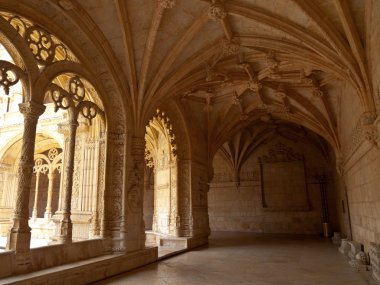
{"points": [[66, 227], [34, 214], [63, 130], [94, 207], [51, 176], [174, 210], [155, 203], [19, 235]]}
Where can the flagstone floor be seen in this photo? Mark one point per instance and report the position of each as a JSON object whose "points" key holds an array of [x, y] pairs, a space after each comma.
{"points": [[245, 258]]}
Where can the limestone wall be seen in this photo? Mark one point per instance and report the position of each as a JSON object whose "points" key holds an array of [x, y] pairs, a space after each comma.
{"points": [[362, 182], [241, 208], [361, 176]]}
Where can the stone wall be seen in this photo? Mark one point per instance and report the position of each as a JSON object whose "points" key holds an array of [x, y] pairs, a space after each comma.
{"points": [[361, 177], [362, 181], [241, 208]]}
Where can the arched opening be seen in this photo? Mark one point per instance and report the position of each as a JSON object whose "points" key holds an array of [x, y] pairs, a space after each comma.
{"points": [[88, 154], [45, 190], [63, 99], [274, 177], [161, 202]]}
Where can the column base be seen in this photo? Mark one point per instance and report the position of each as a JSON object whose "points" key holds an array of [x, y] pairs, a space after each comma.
{"points": [[20, 243], [19, 236], [47, 216], [66, 232]]}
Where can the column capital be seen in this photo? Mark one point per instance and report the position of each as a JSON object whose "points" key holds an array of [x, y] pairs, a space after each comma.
{"points": [[31, 109], [51, 175]]}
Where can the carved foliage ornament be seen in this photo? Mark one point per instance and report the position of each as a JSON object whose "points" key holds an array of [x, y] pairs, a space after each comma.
{"points": [[230, 47], [253, 83], [365, 129], [31, 110], [273, 65], [285, 107], [168, 128], [315, 86], [281, 153]]}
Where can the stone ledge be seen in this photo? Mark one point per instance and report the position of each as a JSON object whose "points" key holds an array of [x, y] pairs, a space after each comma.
{"points": [[86, 271], [54, 255]]}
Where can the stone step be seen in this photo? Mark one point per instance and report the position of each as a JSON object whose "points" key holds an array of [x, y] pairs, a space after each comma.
{"points": [[180, 243]]}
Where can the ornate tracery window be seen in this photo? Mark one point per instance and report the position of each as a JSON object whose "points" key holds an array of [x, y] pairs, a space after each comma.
{"points": [[54, 105]]}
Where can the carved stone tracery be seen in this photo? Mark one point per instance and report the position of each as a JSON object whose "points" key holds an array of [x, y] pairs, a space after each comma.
{"points": [[10, 75], [45, 47], [73, 100]]}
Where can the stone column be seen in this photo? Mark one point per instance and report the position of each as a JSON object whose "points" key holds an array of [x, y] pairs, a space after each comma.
{"points": [[34, 213], [66, 227], [63, 129], [19, 235], [134, 220], [185, 202], [113, 203], [174, 198], [94, 228], [51, 176], [155, 215]]}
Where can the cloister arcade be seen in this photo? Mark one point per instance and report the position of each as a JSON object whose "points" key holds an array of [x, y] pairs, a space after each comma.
{"points": [[130, 130], [61, 150], [57, 146]]}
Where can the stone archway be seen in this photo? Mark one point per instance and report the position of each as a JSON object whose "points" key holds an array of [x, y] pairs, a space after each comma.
{"points": [[162, 158], [46, 183], [53, 79]]}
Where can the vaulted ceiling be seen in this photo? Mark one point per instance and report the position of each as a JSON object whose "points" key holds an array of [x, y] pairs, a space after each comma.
{"points": [[234, 62], [238, 60]]}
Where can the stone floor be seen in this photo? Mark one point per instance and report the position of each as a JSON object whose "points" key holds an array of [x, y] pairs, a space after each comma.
{"points": [[243, 258]]}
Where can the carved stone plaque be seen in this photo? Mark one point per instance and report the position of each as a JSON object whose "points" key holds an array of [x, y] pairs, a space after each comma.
{"points": [[283, 180]]}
